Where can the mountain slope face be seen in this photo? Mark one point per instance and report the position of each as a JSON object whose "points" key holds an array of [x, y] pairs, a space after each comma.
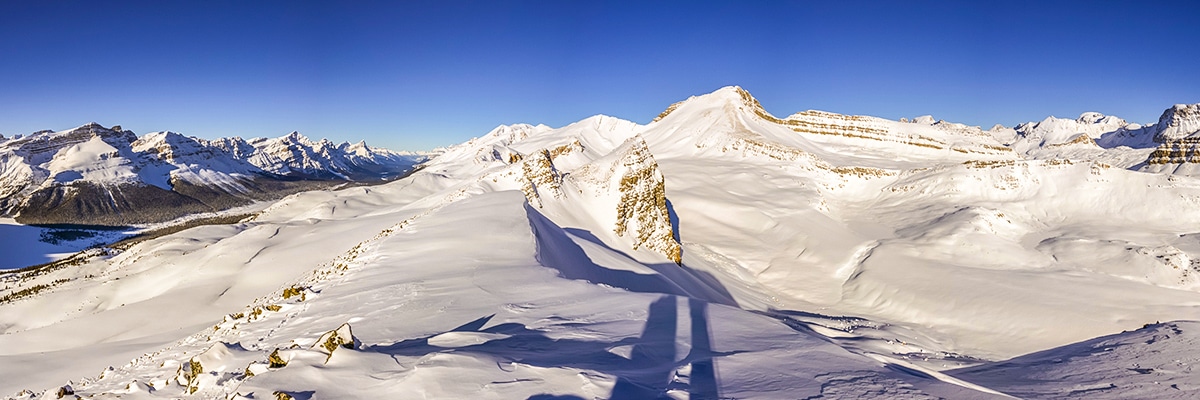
{"points": [[97, 175], [716, 252]]}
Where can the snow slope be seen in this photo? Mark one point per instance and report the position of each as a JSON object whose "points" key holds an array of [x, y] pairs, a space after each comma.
{"points": [[716, 252], [1154, 361]]}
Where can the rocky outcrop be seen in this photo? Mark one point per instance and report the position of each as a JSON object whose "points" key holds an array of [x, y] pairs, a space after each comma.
{"points": [[339, 338], [642, 211], [1176, 151], [1178, 134], [540, 178]]}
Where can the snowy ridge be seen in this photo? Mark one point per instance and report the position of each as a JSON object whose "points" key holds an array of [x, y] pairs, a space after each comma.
{"points": [[116, 177], [716, 252]]}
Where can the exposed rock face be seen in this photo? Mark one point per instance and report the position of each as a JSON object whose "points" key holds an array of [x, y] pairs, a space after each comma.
{"points": [[205, 368], [1178, 132], [342, 337], [823, 123], [274, 360], [1176, 152], [540, 176], [642, 210], [667, 112]]}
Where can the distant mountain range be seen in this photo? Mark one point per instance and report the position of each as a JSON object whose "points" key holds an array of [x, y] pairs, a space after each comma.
{"points": [[111, 176]]}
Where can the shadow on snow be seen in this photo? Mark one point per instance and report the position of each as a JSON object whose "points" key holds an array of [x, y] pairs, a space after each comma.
{"points": [[649, 371]]}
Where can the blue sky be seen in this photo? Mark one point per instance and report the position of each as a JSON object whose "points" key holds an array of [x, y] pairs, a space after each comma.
{"points": [[415, 75]]}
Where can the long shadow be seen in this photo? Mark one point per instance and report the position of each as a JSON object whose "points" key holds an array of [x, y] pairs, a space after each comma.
{"points": [[556, 249], [702, 384], [701, 284], [655, 349], [645, 374]]}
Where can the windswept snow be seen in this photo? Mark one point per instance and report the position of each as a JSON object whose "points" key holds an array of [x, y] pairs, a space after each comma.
{"points": [[716, 252]]}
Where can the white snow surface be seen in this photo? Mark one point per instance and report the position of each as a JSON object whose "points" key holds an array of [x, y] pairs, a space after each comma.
{"points": [[717, 252]]}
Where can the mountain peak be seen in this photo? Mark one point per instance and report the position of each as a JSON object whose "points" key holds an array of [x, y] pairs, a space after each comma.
{"points": [[1179, 121], [296, 137], [1090, 117], [89, 127], [724, 95]]}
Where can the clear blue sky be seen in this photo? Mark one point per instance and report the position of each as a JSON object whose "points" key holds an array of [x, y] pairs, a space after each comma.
{"points": [[415, 75]]}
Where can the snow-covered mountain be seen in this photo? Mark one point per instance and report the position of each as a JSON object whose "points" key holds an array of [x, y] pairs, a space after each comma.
{"points": [[715, 252], [98, 175], [1165, 146]]}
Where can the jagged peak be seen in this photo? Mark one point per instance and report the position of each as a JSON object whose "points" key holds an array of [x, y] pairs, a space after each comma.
{"points": [[355, 148], [295, 136]]}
